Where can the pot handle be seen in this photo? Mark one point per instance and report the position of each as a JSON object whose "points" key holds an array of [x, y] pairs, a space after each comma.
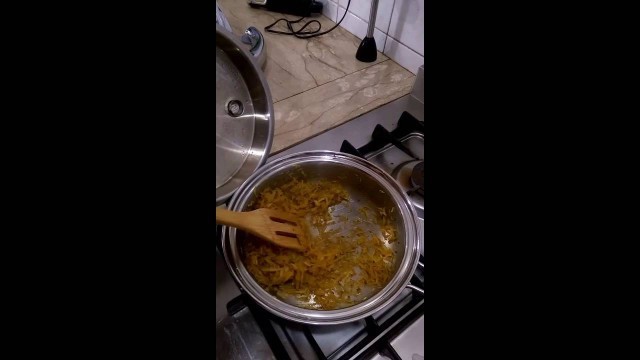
{"points": [[413, 287], [253, 37]]}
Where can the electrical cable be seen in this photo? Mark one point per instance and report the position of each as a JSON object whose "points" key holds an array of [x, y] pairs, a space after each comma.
{"points": [[300, 34]]}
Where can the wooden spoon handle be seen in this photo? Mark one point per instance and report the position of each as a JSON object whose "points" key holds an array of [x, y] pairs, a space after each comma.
{"points": [[232, 218]]}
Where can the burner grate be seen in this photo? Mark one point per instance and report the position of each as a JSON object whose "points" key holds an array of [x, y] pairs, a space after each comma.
{"points": [[384, 136], [381, 137]]}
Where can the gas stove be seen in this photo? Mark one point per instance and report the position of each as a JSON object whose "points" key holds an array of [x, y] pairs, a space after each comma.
{"points": [[394, 142]]}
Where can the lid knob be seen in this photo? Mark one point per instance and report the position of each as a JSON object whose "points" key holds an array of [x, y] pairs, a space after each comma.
{"points": [[235, 108]]}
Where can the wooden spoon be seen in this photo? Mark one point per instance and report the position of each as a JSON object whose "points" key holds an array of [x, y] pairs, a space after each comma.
{"points": [[276, 227]]}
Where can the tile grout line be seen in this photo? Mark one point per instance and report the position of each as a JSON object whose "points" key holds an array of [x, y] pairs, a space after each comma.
{"points": [[386, 34], [393, 7], [398, 41], [374, 27], [334, 21], [407, 46], [367, 21]]}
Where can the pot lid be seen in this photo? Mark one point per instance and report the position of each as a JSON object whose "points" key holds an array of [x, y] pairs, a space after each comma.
{"points": [[244, 116]]}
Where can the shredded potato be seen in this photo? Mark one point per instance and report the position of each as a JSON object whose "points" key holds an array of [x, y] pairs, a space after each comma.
{"points": [[343, 263]]}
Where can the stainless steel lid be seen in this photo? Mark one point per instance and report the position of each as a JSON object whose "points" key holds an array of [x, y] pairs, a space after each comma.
{"points": [[244, 115]]}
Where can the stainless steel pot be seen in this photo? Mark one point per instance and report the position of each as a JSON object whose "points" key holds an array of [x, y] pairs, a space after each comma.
{"points": [[366, 184], [244, 115]]}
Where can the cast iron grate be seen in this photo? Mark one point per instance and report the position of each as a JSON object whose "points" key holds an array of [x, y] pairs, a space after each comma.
{"points": [[382, 137]]}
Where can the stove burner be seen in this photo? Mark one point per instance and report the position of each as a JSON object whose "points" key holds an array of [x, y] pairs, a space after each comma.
{"points": [[417, 177]]}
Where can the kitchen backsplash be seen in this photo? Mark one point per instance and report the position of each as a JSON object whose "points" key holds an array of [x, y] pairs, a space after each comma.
{"points": [[399, 29]]}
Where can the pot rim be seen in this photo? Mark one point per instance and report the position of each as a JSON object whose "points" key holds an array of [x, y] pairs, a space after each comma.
{"points": [[402, 277]]}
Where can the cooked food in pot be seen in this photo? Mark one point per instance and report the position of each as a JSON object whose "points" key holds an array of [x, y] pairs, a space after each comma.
{"points": [[346, 259]]}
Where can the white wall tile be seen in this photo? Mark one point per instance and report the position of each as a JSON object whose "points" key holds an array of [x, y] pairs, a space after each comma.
{"points": [[330, 10], [362, 9], [407, 24], [404, 56], [358, 27]]}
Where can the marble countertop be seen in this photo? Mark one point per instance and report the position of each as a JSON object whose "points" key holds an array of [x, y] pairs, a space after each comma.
{"points": [[317, 84]]}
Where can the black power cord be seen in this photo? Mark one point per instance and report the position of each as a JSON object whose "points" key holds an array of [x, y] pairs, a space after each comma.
{"points": [[304, 34]]}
